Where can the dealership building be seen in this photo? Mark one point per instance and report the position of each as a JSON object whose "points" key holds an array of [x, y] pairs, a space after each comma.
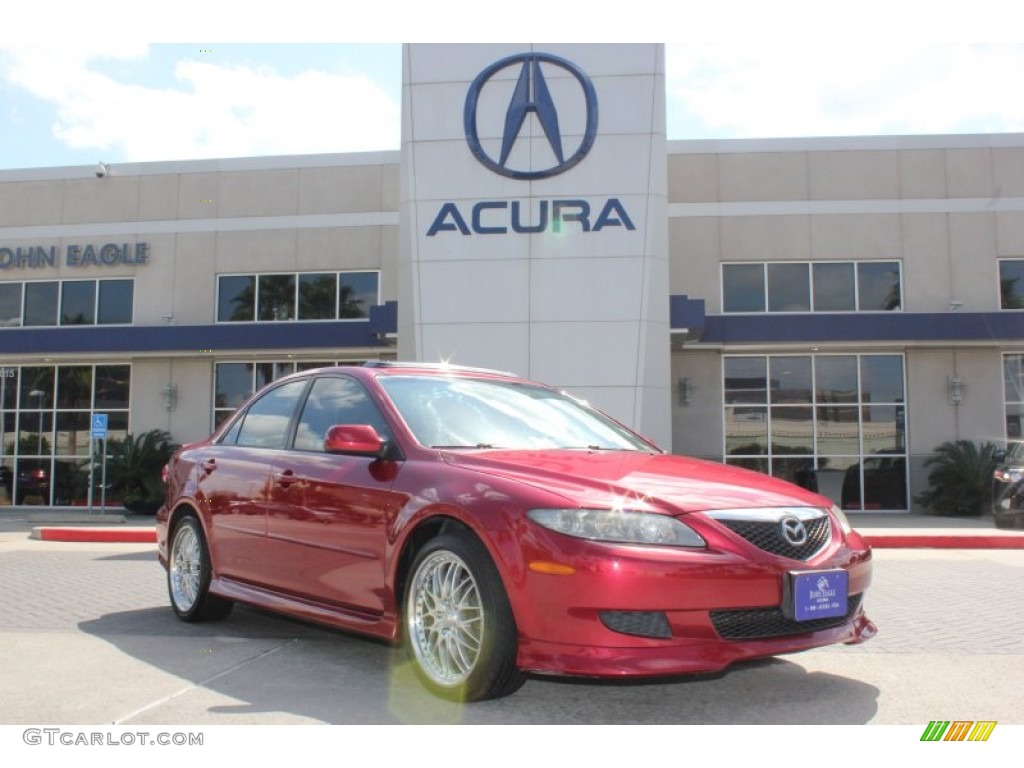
{"points": [[828, 310]]}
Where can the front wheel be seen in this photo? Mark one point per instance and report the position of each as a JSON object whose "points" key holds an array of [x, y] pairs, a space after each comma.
{"points": [[188, 575], [459, 628]]}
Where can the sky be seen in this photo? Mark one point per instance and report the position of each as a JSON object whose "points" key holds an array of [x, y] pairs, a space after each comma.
{"points": [[105, 85]]}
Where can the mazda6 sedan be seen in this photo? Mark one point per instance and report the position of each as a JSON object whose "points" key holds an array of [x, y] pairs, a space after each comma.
{"points": [[496, 527]]}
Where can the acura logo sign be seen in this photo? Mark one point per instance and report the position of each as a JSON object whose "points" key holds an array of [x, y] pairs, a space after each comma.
{"points": [[532, 95], [793, 531]]}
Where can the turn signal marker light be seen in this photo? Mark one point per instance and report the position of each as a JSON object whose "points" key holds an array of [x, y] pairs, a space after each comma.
{"points": [[553, 569]]}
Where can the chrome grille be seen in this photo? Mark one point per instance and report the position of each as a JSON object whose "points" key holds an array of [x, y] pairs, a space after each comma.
{"points": [[764, 529]]}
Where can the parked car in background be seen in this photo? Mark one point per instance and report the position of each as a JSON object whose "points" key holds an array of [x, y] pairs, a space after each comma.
{"points": [[498, 527], [885, 483], [33, 482], [1008, 487]]}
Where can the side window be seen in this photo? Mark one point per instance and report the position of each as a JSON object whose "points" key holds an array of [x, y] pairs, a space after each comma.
{"points": [[265, 424], [336, 400]]}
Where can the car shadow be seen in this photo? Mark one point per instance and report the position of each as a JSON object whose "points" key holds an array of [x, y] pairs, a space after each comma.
{"points": [[260, 667]]}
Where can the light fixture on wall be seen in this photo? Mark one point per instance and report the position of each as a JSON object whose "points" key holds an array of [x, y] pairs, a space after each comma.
{"points": [[955, 388], [685, 390], [170, 396]]}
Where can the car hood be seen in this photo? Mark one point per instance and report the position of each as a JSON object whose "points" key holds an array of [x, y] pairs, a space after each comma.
{"points": [[602, 478]]}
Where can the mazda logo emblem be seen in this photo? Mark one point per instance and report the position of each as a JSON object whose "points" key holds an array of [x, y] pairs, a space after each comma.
{"points": [[531, 95], [793, 531]]}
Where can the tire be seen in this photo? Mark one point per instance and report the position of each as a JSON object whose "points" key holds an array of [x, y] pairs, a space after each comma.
{"points": [[188, 575], [460, 633]]}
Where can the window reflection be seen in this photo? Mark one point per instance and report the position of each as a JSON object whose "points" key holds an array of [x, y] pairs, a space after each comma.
{"points": [[746, 379], [834, 288], [47, 412], [788, 288], [743, 288], [297, 296], [78, 302], [276, 297], [878, 286], [41, 303], [836, 423], [864, 286]]}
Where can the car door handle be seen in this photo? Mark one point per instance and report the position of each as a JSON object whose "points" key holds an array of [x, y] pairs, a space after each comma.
{"points": [[286, 478], [209, 465]]}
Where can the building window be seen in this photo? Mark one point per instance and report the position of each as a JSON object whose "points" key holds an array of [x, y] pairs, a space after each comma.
{"points": [[41, 303], [45, 428], [78, 302], [1013, 395], [864, 286], [81, 302], [1011, 284], [276, 297], [115, 303], [318, 293], [236, 382], [832, 423], [296, 296], [10, 305]]}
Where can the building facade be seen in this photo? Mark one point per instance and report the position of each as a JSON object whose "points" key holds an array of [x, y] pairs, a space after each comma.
{"points": [[834, 308]]}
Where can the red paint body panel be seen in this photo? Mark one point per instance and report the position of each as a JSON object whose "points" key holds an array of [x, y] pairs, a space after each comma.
{"points": [[326, 537]]}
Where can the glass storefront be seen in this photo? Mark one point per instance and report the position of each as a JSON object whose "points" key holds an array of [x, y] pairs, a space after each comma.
{"points": [[832, 423], [45, 427]]}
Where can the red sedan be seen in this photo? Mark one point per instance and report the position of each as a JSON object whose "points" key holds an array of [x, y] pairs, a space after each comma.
{"points": [[498, 527]]}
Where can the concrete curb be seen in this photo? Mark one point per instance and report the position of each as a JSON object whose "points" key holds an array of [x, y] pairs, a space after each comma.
{"points": [[943, 541], [121, 534]]}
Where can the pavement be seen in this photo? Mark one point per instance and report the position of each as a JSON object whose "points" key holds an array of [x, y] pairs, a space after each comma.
{"points": [[882, 530]]}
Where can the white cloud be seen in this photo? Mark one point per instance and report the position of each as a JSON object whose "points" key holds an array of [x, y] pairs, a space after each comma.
{"points": [[843, 89], [214, 110]]}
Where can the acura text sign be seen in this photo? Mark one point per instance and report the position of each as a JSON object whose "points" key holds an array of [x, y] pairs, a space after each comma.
{"points": [[498, 140]]}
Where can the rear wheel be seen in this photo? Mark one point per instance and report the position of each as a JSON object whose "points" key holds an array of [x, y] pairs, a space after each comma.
{"points": [[188, 575], [459, 628]]}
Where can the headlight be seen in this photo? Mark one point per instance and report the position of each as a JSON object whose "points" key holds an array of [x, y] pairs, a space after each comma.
{"points": [[844, 522], [623, 526]]}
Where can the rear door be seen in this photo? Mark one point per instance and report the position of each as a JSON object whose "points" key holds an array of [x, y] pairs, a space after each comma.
{"points": [[234, 482]]}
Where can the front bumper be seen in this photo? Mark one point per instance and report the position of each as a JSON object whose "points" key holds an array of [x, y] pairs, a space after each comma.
{"points": [[683, 611]]}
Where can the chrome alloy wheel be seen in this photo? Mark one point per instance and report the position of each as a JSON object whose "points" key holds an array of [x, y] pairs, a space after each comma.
{"points": [[445, 619], [186, 567]]}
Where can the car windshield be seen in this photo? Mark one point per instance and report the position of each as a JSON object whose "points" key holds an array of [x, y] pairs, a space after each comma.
{"points": [[484, 413]]}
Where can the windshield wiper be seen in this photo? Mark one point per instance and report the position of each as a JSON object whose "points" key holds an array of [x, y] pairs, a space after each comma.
{"points": [[464, 447]]}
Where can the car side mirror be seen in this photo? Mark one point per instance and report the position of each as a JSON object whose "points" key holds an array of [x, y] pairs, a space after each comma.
{"points": [[355, 440], [999, 457]]}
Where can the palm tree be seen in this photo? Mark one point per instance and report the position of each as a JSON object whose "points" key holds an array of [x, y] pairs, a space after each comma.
{"points": [[960, 482], [133, 468]]}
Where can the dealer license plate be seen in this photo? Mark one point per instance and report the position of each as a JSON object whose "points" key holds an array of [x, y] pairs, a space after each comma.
{"points": [[819, 594]]}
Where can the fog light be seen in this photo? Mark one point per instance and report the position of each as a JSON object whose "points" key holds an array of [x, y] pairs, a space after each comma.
{"points": [[639, 623]]}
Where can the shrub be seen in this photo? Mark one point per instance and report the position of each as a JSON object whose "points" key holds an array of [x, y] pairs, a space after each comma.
{"points": [[133, 469], [960, 481]]}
